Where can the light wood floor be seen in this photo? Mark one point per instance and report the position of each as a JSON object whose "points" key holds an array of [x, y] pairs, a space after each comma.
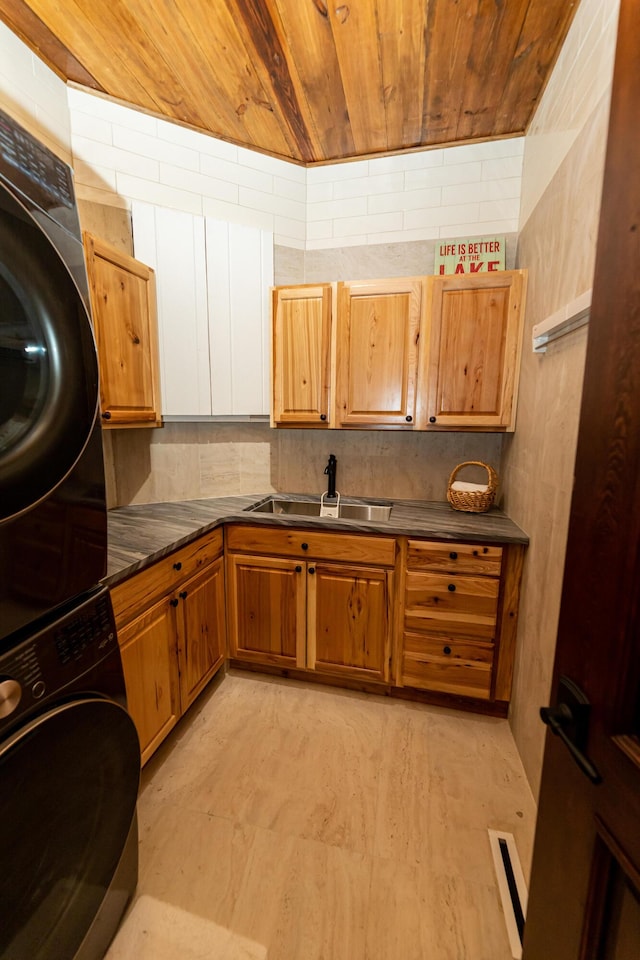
{"points": [[296, 822]]}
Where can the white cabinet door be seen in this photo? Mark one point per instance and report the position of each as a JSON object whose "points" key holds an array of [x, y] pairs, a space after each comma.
{"points": [[239, 275], [173, 243], [213, 281]]}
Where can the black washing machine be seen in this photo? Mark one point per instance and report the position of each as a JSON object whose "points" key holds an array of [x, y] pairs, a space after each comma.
{"points": [[69, 773], [53, 522]]}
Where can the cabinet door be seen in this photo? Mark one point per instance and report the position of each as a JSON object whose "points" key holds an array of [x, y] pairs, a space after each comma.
{"points": [[125, 323], [239, 276], [474, 350], [148, 650], [301, 344], [377, 351], [349, 620], [266, 609], [201, 630], [173, 243]]}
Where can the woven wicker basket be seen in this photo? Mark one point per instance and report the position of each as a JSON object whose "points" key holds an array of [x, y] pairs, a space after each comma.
{"points": [[473, 501]]}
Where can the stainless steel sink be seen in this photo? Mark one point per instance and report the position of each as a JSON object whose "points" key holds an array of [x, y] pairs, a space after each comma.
{"points": [[311, 508]]}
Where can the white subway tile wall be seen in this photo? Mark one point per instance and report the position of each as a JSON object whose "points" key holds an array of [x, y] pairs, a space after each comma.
{"points": [[33, 94], [123, 156]]}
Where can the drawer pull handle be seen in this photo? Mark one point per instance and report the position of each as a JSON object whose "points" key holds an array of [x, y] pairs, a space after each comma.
{"points": [[432, 419], [451, 588], [312, 569], [177, 566], [183, 594], [305, 546], [174, 602], [446, 650], [408, 419], [298, 569], [453, 555], [323, 416]]}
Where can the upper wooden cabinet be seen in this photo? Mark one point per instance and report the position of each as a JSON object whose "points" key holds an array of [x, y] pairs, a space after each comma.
{"points": [[426, 353], [474, 350], [301, 332], [378, 328], [125, 325]]}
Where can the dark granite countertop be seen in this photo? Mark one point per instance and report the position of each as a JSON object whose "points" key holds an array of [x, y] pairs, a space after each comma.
{"points": [[141, 534]]}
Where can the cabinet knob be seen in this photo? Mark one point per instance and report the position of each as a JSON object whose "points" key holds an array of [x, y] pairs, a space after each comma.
{"points": [[177, 566], [432, 419], [312, 569], [183, 594], [305, 546], [451, 588], [446, 650], [408, 419], [298, 569], [323, 416], [174, 602], [106, 415], [453, 555]]}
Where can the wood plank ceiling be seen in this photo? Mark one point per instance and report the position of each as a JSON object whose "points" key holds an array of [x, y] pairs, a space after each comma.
{"points": [[310, 80]]}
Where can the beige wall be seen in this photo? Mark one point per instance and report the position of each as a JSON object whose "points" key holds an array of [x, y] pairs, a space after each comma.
{"points": [[557, 245], [191, 460]]}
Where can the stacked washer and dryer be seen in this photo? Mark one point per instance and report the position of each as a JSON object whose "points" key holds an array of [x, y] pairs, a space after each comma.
{"points": [[69, 753]]}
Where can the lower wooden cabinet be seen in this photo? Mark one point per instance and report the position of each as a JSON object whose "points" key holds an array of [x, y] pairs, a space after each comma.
{"points": [[349, 620], [459, 620], [304, 612], [149, 659], [201, 630], [172, 634], [418, 618], [267, 610]]}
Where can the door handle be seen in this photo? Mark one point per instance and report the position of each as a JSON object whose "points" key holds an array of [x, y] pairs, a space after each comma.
{"points": [[569, 720]]}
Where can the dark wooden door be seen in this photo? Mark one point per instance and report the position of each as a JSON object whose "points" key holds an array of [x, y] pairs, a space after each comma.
{"points": [[584, 898]]}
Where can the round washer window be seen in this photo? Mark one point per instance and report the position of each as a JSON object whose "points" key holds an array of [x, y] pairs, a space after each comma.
{"points": [[48, 364]]}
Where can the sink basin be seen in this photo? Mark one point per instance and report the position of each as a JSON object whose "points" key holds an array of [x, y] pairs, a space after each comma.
{"points": [[311, 508]]}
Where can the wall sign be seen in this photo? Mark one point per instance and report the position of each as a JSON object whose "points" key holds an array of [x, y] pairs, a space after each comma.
{"points": [[471, 255]]}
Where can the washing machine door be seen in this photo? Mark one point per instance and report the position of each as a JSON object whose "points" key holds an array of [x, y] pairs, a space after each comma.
{"points": [[48, 364], [69, 782]]}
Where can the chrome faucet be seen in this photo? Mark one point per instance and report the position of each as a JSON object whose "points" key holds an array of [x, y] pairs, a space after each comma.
{"points": [[330, 470]]}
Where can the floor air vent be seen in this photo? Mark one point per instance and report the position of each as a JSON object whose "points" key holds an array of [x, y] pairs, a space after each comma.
{"points": [[513, 890]]}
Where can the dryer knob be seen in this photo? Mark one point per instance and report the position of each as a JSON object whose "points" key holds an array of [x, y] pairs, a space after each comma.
{"points": [[10, 694]]}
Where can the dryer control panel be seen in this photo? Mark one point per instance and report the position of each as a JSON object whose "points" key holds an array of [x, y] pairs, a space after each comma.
{"points": [[59, 658]]}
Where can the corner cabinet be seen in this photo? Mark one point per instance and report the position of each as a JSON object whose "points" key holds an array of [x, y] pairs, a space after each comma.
{"points": [[171, 627], [213, 280], [475, 332], [425, 353], [321, 602], [123, 306]]}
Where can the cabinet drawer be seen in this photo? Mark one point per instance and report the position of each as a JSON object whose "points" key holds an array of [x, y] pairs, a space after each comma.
{"points": [[301, 544], [458, 606], [477, 559], [141, 589], [447, 665]]}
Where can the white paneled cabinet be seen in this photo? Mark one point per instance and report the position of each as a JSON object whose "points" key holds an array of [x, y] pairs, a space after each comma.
{"points": [[213, 281], [239, 275]]}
